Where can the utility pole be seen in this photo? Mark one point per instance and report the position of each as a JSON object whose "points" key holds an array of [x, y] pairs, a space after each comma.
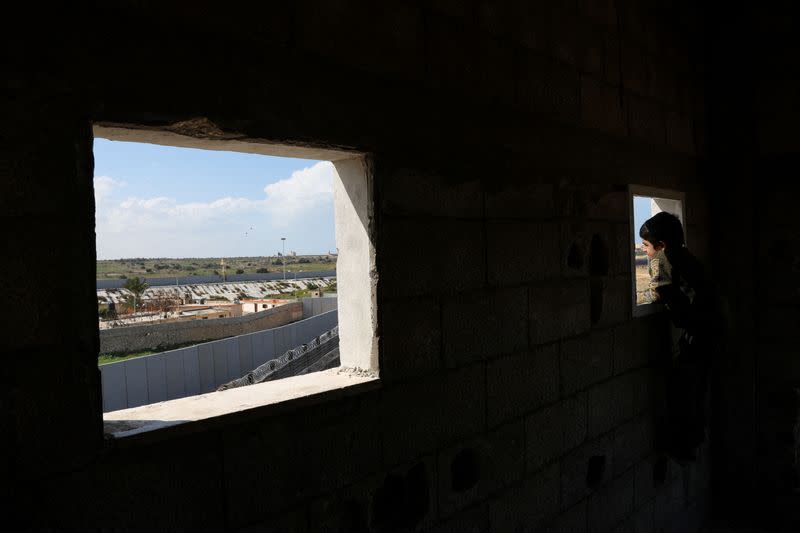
{"points": [[283, 255]]}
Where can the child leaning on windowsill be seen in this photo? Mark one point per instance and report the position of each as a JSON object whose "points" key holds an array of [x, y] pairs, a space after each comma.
{"points": [[678, 280]]}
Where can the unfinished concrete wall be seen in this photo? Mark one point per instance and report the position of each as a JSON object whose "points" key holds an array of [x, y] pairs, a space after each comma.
{"points": [[516, 389], [159, 336]]}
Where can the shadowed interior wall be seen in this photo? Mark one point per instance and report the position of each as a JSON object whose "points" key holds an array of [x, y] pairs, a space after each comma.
{"points": [[516, 389]]}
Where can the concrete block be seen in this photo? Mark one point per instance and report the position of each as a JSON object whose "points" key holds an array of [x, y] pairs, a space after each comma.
{"points": [[591, 51], [611, 59], [173, 362], [574, 413], [601, 106], [315, 455], [411, 338], [633, 442], [575, 241], [573, 520], [669, 504], [634, 67], [644, 392], [412, 192], [627, 356], [471, 471], [520, 383], [472, 520], [521, 252], [602, 12], [178, 484], [433, 412], [484, 324], [610, 403], [524, 23], [296, 521], [529, 505], [644, 485], [643, 519], [548, 88], [430, 256], [621, 247], [191, 371], [558, 310], [544, 437], [520, 200], [449, 53], [575, 466], [585, 360], [607, 202], [567, 32], [680, 132], [617, 301], [555, 430], [609, 505], [646, 120], [495, 58], [395, 33]]}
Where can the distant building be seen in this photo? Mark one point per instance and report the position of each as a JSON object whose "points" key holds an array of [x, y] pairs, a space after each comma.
{"points": [[256, 306]]}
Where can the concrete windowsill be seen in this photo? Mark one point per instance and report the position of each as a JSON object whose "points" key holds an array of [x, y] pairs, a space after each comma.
{"points": [[647, 309], [208, 411]]}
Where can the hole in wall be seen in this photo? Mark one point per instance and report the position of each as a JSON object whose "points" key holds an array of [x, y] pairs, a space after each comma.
{"points": [[575, 257], [464, 471], [595, 470], [402, 501], [598, 256]]}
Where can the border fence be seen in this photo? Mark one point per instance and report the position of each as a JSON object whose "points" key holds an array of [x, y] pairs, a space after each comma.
{"points": [[204, 367]]}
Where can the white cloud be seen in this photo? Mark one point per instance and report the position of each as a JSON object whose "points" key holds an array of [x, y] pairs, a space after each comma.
{"points": [[104, 186], [305, 190], [300, 206]]}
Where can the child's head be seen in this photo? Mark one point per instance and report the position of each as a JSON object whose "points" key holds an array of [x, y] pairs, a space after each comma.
{"points": [[662, 231]]}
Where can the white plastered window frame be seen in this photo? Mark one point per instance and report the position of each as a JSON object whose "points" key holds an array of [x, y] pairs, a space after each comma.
{"points": [[668, 200], [357, 301]]}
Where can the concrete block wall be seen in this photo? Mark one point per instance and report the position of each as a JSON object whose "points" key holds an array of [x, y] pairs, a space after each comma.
{"points": [[515, 388]]}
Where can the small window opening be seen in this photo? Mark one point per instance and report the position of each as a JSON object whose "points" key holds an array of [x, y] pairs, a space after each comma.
{"points": [[644, 203]]}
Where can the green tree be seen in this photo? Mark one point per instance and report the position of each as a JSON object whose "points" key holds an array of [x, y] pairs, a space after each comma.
{"points": [[136, 287]]}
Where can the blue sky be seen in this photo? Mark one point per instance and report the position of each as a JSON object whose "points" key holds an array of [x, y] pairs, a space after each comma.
{"points": [[160, 201], [641, 212]]}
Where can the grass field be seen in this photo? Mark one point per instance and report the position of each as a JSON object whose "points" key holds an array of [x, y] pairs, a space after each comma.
{"points": [[164, 267]]}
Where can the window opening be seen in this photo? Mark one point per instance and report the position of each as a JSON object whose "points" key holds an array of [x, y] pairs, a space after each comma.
{"points": [[205, 277], [644, 203]]}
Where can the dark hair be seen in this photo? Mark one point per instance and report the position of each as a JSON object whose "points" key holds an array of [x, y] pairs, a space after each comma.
{"points": [[664, 227]]}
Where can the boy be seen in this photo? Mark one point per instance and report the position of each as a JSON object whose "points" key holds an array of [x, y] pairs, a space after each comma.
{"points": [[678, 280]]}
